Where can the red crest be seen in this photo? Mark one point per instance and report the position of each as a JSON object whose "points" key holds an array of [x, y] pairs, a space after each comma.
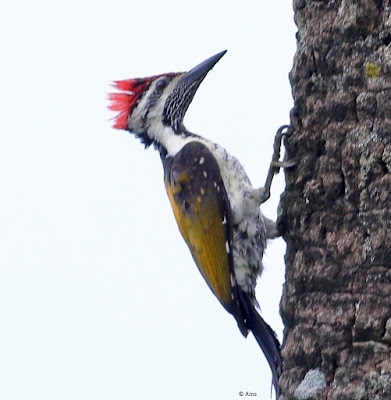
{"points": [[123, 102]]}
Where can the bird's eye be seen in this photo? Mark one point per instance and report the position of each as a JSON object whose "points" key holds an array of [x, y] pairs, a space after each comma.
{"points": [[161, 84]]}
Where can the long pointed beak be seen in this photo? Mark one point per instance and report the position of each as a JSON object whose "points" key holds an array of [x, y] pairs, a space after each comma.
{"points": [[179, 100], [198, 73]]}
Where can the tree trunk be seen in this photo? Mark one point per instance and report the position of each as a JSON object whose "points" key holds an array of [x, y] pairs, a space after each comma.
{"points": [[336, 210]]}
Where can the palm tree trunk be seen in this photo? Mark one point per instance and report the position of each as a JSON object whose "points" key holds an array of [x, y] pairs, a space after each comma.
{"points": [[336, 210]]}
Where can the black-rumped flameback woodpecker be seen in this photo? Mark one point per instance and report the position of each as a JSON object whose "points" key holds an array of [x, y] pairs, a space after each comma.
{"points": [[215, 206]]}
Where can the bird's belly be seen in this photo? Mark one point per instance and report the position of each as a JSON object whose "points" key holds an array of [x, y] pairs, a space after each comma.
{"points": [[249, 242]]}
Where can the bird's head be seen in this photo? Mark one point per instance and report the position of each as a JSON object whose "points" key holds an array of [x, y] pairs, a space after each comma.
{"points": [[152, 107]]}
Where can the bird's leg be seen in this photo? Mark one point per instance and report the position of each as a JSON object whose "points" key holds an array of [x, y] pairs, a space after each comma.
{"points": [[271, 228], [275, 165]]}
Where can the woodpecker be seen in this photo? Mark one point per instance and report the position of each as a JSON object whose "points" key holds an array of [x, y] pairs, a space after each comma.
{"points": [[215, 206]]}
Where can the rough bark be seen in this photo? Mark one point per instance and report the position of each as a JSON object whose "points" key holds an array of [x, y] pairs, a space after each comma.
{"points": [[336, 210]]}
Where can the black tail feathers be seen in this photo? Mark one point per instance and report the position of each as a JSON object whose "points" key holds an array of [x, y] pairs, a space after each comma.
{"points": [[265, 337]]}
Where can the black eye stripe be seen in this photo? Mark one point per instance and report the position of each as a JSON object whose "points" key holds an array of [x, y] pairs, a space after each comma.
{"points": [[161, 84]]}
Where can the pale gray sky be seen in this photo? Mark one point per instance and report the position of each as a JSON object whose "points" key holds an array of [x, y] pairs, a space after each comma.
{"points": [[99, 296]]}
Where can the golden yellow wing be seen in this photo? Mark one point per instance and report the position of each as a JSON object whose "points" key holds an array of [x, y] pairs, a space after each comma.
{"points": [[202, 211]]}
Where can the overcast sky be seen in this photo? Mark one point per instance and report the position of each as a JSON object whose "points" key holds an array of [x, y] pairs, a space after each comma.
{"points": [[99, 296]]}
